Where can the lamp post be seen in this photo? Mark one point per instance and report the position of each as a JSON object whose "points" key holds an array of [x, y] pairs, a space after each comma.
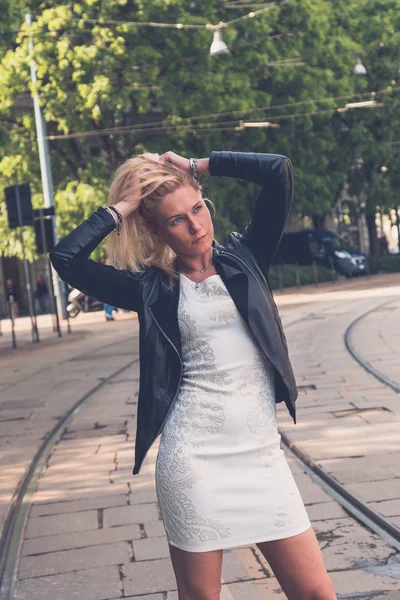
{"points": [[44, 159]]}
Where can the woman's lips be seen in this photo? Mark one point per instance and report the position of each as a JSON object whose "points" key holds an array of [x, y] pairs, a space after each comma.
{"points": [[199, 239]]}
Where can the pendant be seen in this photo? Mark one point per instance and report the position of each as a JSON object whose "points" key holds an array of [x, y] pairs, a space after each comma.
{"points": [[196, 287]]}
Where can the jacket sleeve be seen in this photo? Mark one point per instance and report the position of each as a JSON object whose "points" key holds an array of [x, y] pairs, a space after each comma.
{"points": [[275, 174], [70, 258]]}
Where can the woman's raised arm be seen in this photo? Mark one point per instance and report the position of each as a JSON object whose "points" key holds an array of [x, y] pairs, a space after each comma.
{"points": [[275, 174], [70, 258]]}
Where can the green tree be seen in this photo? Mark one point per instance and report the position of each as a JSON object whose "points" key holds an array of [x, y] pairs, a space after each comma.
{"points": [[94, 77]]}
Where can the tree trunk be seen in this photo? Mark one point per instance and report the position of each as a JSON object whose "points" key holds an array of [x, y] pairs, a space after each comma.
{"points": [[373, 237], [318, 221], [398, 226]]}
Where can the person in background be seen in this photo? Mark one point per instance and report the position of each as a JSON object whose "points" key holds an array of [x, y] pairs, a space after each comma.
{"points": [[109, 308], [41, 293], [11, 293]]}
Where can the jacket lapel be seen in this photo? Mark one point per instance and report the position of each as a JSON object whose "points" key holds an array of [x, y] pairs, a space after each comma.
{"points": [[236, 283], [165, 310]]}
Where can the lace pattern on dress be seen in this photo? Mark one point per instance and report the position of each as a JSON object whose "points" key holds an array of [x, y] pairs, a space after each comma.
{"points": [[175, 472]]}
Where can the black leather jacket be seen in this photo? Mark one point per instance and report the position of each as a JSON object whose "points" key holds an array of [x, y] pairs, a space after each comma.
{"points": [[242, 264]]}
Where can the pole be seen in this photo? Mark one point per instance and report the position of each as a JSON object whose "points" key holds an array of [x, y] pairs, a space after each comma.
{"points": [[315, 272], [297, 275], [398, 225], [12, 317], [35, 333], [45, 167], [53, 305], [66, 303]]}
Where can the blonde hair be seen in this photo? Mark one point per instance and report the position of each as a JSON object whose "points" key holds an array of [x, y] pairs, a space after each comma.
{"points": [[136, 248]]}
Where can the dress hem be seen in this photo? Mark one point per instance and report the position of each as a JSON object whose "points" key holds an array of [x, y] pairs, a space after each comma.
{"points": [[228, 545]]}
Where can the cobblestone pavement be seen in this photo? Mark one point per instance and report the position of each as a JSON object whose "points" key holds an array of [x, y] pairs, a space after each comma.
{"points": [[94, 530]]}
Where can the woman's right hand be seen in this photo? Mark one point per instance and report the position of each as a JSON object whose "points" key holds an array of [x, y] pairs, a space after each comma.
{"points": [[130, 202]]}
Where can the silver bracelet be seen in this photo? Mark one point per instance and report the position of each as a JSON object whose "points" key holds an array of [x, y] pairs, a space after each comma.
{"points": [[196, 176], [117, 227]]}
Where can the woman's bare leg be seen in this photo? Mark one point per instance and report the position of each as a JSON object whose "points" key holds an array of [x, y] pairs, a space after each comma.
{"points": [[198, 574], [298, 565]]}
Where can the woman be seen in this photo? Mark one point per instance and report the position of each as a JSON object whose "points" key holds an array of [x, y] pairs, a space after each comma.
{"points": [[213, 362]]}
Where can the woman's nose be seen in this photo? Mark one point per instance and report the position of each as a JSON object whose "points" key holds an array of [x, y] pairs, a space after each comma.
{"points": [[194, 226]]}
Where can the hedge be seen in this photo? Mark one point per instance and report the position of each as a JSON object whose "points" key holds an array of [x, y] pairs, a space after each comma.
{"points": [[377, 264], [387, 264], [306, 275]]}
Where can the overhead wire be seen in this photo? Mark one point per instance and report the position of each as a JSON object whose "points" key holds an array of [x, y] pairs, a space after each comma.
{"points": [[171, 127], [220, 25], [158, 124]]}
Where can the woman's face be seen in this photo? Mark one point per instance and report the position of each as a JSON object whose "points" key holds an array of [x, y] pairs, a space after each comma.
{"points": [[184, 222]]}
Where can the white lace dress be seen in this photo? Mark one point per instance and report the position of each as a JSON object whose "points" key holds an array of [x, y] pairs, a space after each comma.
{"points": [[222, 479]]}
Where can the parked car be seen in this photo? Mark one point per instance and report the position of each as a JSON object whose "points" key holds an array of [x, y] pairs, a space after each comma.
{"points": [[324, 247]]}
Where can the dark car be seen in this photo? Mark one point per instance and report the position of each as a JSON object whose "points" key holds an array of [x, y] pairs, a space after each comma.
{"points": [[324, 247]]}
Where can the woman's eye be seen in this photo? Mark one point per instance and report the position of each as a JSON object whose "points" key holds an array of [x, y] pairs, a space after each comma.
{"points": [[177, 221], [197, 208]]}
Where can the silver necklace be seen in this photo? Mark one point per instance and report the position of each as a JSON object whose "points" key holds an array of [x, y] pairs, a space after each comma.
{"points": [[196, 287]]}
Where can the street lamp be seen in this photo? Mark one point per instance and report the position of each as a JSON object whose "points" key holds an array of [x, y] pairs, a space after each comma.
{"points": [[218, 45], [244, 124], [359, 68]]}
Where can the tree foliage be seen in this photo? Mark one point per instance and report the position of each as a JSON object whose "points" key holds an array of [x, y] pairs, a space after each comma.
{"points": [[94, 76]]}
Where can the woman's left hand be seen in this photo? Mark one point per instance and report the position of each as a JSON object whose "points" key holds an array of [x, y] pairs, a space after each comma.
{"points": [[175, 159]]}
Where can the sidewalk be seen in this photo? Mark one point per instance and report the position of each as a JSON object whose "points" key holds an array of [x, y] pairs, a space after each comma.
{"points": [[80, 326], [94, 530]]}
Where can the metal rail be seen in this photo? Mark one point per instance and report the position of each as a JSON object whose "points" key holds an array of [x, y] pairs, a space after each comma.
{"points": [[14, 525], [11, 539], [358, 509]]}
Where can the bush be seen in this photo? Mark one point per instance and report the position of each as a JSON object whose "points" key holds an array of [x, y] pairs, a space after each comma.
{"points": [[306, 274], [387, 264]]}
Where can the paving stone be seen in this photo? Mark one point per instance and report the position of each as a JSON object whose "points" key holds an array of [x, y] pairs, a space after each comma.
{"points": [[147, 597], [149, 577], [326, 510], [90, 584], [374, 490], [67, 541], [150, 549], [241, 591], [46, 496], [347, 545], [232, 568], [254, 569], [154, 529], [42, 526], [78, 505], [270, 589], [142, 496], [129, 515], [388, 508], [311, 493], [74, 560], [355, 582]]}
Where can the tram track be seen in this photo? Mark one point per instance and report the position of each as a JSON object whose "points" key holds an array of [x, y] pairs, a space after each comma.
{"points": [[12, 536], [14, 524], [353, 505]]}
